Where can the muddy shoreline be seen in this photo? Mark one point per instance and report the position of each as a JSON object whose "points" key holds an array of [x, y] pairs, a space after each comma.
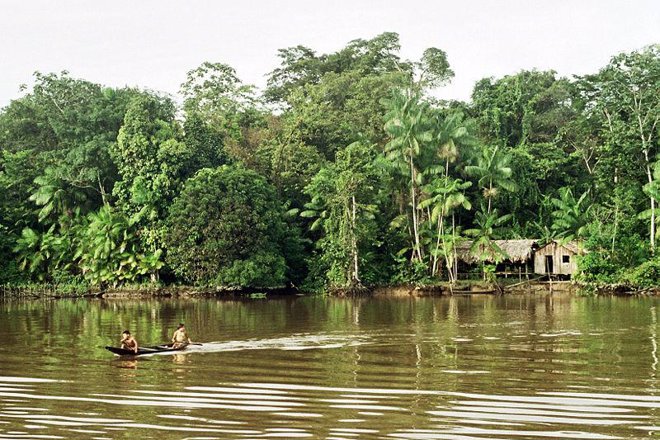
{"points": [[404, 290]]}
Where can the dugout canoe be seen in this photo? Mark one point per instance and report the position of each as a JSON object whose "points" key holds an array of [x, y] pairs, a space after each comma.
{"points": [[163, 348]]}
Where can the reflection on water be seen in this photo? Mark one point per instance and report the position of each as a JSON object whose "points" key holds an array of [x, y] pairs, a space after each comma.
{"points": [[436, 368], [123, 362]]}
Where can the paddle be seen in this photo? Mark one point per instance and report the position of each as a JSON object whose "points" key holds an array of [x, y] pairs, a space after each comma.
{"points": [[191, 343]]}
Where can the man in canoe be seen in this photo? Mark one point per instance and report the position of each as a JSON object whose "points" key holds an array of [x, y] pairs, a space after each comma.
{"points": [[180, 337], [128, 342]]}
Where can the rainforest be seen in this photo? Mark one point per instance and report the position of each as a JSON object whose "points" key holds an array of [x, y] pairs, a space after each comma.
{"points": [[345, 172]]}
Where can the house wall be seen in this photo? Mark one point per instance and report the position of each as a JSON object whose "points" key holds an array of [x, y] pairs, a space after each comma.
{"points": [[557, 252]]}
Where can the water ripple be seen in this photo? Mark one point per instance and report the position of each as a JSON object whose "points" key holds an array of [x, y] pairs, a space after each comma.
{"points": [[471, 416]]}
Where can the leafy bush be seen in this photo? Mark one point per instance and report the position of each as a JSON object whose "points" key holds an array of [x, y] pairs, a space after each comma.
{"points": [[227, 227], [409, 272], [611, 255], [259, 270], [41, 254], [645, 275], [597, 266], [109, 250]]}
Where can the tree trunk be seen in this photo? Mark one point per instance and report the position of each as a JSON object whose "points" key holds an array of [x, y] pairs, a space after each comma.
{"points": [[646, 146], [414, 212], [454, 253], [356, 276], [451, 268], [101, 189], [616, 210], [437, 243], [649, 175]]}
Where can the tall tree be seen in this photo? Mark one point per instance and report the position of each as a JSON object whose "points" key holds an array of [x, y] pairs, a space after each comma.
{"points": [[344, 201], [627, 94], [333, 99], [151, 161], [227, 228], [300, 66], [409, 128], [444, 191], [219, 109]]}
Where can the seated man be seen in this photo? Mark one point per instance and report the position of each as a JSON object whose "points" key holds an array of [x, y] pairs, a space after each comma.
{"points": [[180, 337], [128, 342]]}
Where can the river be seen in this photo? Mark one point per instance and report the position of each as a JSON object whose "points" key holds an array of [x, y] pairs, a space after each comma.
{"points": [[466, 368]]}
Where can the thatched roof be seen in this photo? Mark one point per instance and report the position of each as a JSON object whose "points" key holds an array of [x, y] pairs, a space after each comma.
{"points": [[516, 251]]}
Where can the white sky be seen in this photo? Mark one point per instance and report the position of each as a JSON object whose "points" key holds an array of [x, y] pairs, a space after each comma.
{"points": [[153, 43]]}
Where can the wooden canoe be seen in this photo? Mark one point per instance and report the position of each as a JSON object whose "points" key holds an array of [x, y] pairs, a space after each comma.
{"points": [[163, 348]]}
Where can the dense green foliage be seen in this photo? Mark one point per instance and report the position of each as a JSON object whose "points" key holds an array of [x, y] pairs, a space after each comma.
{"points": [[345, 197], [344, 171], [227, 227]]}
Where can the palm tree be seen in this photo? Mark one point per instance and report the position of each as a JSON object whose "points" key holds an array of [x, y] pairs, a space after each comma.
{"points": [[493, 171], [55, 197], [484, 234], [408, 125], [454, 136], [40, 253], [445, 195]]}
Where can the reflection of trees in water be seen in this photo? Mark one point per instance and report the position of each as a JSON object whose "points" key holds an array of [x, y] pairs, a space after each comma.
{"points": [[452, 310], [654, 344], [427, 328]]}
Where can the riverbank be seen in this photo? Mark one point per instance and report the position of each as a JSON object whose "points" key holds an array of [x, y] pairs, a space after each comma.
{"points": [[464, 287], [56, 291], [472, 288], [502, 287], [618, 289]]}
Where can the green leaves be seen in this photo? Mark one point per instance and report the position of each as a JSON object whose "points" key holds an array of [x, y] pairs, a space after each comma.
{"points": [[571, 216], [41, 254], [56, 197], [445, 195], [221, 219], [95, 181], [434, 68], [486, 230], [408, 124], [493, 171], [623, 102], [344, 201]]}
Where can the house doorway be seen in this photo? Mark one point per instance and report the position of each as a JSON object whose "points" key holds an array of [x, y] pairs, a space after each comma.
{"points": [[549, 269]]}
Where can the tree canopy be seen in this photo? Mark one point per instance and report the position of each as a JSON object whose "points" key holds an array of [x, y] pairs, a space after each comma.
{"points": [[345, 171]]}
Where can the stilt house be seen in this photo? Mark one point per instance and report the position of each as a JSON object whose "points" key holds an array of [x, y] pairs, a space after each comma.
{"points": [[524, 257], [556, 258], [517, 257]]}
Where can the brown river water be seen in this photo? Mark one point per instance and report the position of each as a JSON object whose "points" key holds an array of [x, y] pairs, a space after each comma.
{"points": [[466, 368]]}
